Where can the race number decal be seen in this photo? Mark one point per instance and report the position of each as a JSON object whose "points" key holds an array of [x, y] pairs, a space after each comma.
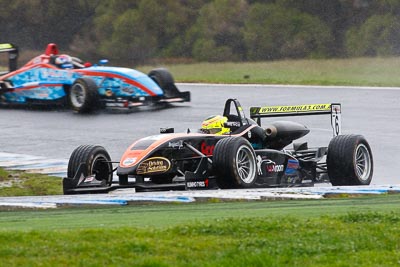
{"points": [[336, 119]]}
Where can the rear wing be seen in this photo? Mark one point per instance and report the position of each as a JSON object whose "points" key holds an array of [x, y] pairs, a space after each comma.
{"points": [[334, 109], [12, 51]]}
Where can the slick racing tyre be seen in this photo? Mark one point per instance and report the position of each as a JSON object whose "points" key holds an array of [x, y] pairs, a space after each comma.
{"points": [[349, 160], [97, 162], [83, 95], [165, 80], [234, 163]]}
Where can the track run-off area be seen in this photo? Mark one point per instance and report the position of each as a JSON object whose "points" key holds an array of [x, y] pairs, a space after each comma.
{"points": [[39, 140]]}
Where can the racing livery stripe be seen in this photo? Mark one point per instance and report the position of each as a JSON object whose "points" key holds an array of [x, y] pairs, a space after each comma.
{"points": [[114, 75], [38, 86], [13, 73], [141, 154], [294, 109]]}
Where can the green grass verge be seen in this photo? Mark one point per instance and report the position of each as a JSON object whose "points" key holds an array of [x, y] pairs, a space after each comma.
{"points": [[357, 71], [333, 232], [20, 183]]}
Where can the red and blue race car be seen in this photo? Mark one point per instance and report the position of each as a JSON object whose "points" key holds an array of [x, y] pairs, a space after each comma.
{"points": [[54, 78]]}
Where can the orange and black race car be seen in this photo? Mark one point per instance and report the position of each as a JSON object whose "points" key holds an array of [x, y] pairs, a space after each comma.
{"points": [[240, 154]]}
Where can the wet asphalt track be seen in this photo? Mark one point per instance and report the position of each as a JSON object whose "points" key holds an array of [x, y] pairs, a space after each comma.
{"points": [[373, 112]]}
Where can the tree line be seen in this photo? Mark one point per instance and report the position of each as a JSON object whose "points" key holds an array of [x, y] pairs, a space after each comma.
{"points": [[136, 31]]}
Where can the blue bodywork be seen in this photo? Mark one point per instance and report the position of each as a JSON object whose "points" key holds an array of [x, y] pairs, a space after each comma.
{"points": [[43, 81]]}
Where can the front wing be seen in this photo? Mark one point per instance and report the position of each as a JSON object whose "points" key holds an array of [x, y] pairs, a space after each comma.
{"points": [[79, 184]]}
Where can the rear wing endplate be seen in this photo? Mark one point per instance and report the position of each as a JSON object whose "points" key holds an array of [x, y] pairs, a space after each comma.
{"points": [[334, 109], [12, 55]]}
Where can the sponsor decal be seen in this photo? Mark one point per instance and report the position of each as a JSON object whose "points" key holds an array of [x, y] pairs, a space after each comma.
{"points": [[129, 161], [295, 108], [178, 144], [270, 166], [207, 149], [109, 92], [232, 124], [292, 166], [154, 165], [128, 90], [89, 179], [53, 74], [167, 130], [198, 184]]}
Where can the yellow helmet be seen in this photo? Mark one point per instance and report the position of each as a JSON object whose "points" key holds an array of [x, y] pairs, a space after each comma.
{"points": [[215, 125]]}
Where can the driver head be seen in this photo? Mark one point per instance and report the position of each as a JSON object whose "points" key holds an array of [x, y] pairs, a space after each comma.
{"points": [[215, 125], [64, 62]]}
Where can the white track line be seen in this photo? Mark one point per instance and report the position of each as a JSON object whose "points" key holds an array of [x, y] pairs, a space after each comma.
{"points": [[34, 164], [293, 86]]}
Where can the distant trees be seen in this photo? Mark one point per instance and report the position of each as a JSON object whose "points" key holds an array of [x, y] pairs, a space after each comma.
{"points": [[139, 30], [379, 32], [273, 31], [135, 31], [33, 23], [218, 31]]}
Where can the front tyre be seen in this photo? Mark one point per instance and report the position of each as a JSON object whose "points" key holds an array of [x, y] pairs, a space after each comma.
{"points": [[97, 162], [162, 77], [84, 96], [165, 80], [349, 160], [234, 163]]}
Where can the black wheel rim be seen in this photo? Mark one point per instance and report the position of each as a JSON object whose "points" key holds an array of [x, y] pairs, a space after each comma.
{"points": [[101, 169]]}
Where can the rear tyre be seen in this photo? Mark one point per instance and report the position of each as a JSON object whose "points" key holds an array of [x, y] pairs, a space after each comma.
{"points": [[83, 96], [97, 160], [234, 163], [349, 160]]}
